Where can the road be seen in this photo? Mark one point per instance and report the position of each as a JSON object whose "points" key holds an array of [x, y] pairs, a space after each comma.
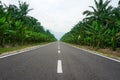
{"points": [[58, 61]]}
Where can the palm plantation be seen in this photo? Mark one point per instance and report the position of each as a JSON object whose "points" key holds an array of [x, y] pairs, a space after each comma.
{"points": [[100, 28], [17, 28]]}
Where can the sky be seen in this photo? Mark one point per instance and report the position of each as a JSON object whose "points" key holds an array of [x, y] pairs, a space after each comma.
{"points": [[59, 16]]}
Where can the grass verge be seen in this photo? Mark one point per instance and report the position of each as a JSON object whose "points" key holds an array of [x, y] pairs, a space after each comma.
{"points": [[10, 49]]}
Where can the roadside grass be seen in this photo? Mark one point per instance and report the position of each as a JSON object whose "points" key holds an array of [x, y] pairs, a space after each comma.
{"points": [[105, 52], [10, 49]]}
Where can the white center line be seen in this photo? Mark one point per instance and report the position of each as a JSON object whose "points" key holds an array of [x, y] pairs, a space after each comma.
{"points": [[59, 67], [59, 51]]}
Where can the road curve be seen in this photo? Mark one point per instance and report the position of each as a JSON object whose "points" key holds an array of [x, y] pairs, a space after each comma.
{"points": [[58, 61]]}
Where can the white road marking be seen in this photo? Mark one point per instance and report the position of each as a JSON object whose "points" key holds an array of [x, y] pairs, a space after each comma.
{"points": [[59, 67], [59, 51], [95, 53], [9, 55]]}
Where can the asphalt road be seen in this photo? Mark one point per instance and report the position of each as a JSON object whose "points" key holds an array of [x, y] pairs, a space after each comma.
{"points": [[58, 61]]}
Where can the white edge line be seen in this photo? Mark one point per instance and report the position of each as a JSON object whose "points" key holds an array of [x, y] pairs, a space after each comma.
{"points": [[95, 53], [59, 66], [18, 52]]}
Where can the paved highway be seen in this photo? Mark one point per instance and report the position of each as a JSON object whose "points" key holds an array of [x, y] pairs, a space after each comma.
{"points": [[58, 61]]}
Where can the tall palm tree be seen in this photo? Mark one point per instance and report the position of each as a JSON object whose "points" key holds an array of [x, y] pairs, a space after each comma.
{"points": [[119, 3], [100, 11]]}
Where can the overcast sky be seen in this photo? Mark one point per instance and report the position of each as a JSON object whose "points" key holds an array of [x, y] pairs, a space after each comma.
{"points": [[59, 16]]}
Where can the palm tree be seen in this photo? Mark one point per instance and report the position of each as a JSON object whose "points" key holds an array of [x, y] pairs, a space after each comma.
{"points": [[100, 11], [3, 24], [100, 28], [119, 3], [16, 27]]}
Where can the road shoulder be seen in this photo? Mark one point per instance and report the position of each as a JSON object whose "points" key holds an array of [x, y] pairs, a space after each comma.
{"points": [[110, 57], [10, 53]]}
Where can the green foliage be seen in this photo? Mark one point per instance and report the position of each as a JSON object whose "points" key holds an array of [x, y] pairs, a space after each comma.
{"points": [[17, 28], [100, 28]]}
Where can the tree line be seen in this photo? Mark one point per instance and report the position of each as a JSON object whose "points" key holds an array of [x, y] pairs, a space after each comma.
{"points": [[100, 28], [17, 28]]}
